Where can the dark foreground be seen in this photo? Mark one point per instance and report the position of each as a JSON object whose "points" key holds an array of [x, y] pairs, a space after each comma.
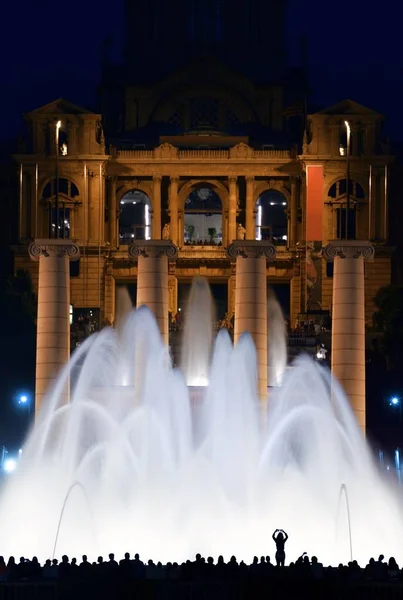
{"points": [[168, 590]]}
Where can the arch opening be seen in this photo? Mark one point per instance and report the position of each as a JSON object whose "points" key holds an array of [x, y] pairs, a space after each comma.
{"points": [[337, 198], [134, 217], [271, 217], [60, 219], [203, 217]]}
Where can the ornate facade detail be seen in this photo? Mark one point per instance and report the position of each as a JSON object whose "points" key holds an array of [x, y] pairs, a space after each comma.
{"points": [[241, 151], [153, 249], [241, 232], [251, 249], [166, 151], [348, 249], [53, 247], [173, 295]]}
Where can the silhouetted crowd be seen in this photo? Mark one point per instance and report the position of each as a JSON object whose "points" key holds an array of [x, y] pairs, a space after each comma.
{"points": [[132, 570]]}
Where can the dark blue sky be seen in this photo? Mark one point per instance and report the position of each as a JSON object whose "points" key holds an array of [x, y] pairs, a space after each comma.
{"points": [[52, 50]]}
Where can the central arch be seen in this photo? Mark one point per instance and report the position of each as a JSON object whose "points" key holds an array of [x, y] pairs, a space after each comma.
{"points": [[134, 217], [271, 217], [203, 215]]}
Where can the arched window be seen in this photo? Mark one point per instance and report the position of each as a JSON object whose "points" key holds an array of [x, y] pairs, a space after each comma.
{"points": [[65, 194], [337, 196], [134, 217], [271, 217], [203, 217]]}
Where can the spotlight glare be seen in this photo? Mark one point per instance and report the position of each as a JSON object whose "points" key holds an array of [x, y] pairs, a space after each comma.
{"points": [[9, 466]]}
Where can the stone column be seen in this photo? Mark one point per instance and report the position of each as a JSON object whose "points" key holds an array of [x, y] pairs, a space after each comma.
{"points": [[156, 223], [152, 278], [250, 208], [53, 321], [251, 298], [293, 213], [173, 209], [113, 213], [101, 206], [348, 319], [233, 205]]}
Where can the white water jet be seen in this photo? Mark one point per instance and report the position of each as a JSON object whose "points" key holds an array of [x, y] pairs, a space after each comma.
{"points": [[124, 306], [198, 333], [123, 468], [276, 341]]}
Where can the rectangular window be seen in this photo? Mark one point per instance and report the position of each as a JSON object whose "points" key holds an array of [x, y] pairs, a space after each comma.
{"points": [[61, 221], [341, 223]]}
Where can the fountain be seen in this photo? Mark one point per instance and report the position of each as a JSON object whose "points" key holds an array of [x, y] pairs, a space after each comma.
{"points": [[198, 334], [277, 346], [119, 468]]}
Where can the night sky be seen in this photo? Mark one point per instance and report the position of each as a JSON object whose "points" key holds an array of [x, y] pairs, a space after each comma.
{"points": [[52, 50]]}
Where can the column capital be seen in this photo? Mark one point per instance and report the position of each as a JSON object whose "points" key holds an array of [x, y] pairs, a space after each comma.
{"points": [[152, 249], [157, 178], [251, 249], [232, 179], [250, 178], [174, 179], [53, 247], [348, 249]]}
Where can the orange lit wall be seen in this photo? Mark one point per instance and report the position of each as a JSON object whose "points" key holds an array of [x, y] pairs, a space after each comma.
{"points": [[314, 202]]}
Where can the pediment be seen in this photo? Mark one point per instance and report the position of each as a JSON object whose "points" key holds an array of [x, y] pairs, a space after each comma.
{"points": [[166, 150], [241, 150], [60, 107], [348, 107]]}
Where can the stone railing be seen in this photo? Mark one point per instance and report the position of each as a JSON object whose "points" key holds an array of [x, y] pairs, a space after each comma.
{"points": [[193, 252], [197, 154]]}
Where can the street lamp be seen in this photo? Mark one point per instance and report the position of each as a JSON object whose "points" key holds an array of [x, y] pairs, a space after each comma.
{"points": [[58, 125], [348, 128], [395, 401], [24, 401]]}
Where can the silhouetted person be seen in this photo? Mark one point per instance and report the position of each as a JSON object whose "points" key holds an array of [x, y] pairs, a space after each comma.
{"points": [[35, 570], [64, 569], [280, 537], [138, 567], [47, 572], [3, 569], [125, 567]]}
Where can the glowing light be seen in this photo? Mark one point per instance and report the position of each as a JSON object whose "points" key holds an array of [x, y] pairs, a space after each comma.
{"points": [[284, 203], [394, 401], [134, 202], [58, 125], [23, 399], [147, 221], [259, 223], [200, 381], [342, 150], [10, 465]]}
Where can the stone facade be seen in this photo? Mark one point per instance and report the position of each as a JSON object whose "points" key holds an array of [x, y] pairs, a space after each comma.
{"points": [[95, 180]]}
